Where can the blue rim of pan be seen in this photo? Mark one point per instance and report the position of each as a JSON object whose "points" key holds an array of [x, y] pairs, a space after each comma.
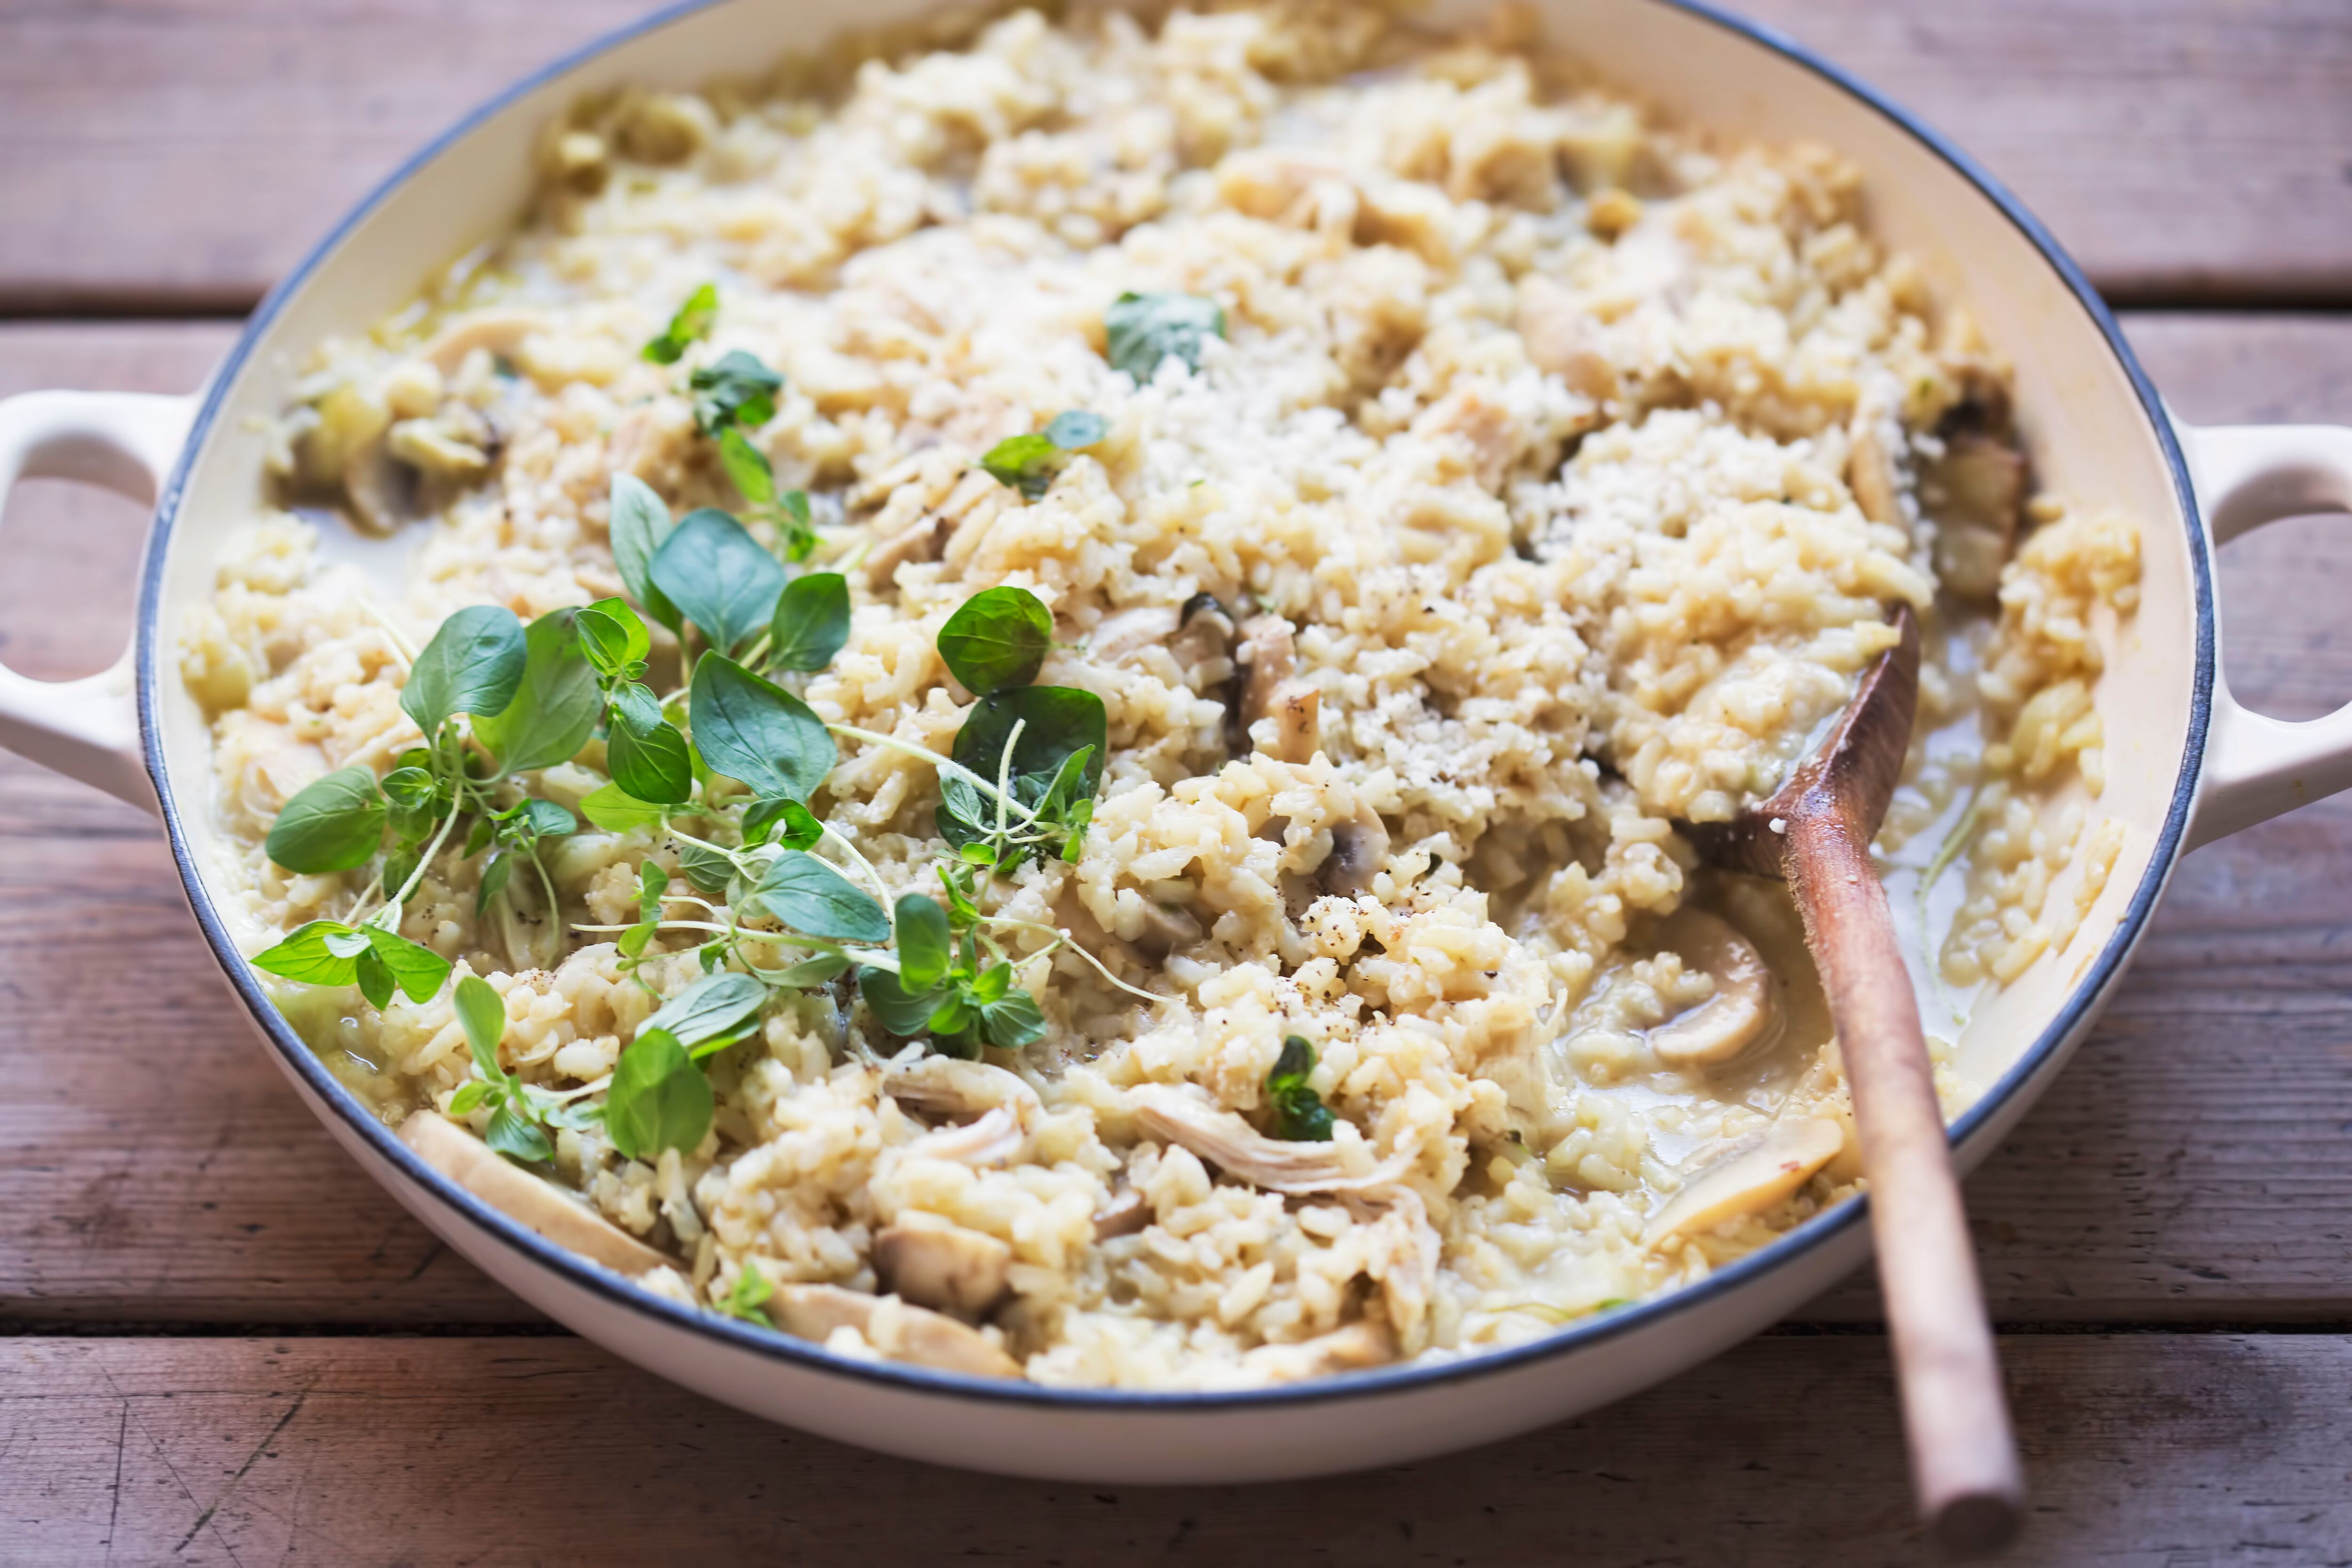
{"points": [[1822, 1231]]}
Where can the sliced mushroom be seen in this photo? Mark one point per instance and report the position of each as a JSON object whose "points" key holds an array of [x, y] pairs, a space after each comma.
{"points": [[1164, 930], [1731, 1020], [501, 332], [383, 492], [936, 1263], [1749, 1177], [1297, 716], [516, 1193], [1871, 471], [1268, 657], [1360, 846], [1974, 492], [1146, 626], [997, 1137], [921, 540], [1123, 1215], [1360, 1344], [1233, 1146], [896, 1329], [944, 1086], [1204, 634]]}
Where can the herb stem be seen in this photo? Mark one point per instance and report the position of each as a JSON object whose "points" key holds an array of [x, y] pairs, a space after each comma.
{"points": [[400, 898], [872, 878], [945, 764], [1004, 772], [392, 633], [1064, 939]]}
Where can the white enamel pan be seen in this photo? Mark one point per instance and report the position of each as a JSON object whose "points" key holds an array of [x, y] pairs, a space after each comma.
{"points": [[2185, 763]]}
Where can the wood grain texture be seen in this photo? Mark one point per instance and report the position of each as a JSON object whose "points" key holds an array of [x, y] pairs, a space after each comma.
{"points": [[182, 153], [2190, 1166], [2145, 1450]]}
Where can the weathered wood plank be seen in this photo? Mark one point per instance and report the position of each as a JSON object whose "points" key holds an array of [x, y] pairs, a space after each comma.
{"points": [[2147, 1449], [2192, 1165], [184, 152]]}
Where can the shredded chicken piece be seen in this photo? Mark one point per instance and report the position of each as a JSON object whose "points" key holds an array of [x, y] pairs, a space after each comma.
{"points": [[546, 1208], [896, 1329], [1240, 1150]]}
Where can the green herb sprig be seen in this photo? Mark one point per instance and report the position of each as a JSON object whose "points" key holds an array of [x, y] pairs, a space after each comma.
{"points": [[1299, 1112], [1141, 330], [520, 1112], [1028, 463], [692, 324]]}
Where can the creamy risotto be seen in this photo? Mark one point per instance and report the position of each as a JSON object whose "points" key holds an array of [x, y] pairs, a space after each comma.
{"points": [[1042, 680]]}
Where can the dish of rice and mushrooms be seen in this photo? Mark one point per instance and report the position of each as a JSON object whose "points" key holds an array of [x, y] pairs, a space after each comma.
{"points": [[1046, 678]]}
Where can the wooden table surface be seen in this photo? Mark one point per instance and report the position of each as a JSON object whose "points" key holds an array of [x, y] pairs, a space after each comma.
{"points": [[224, 1343]]}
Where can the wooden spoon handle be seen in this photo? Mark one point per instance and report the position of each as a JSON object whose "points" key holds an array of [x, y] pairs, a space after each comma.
{"points": [[1963, 1456]]}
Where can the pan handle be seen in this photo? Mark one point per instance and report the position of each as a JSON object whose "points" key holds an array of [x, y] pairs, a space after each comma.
{"points": [[2258, 767], [125, 442]]}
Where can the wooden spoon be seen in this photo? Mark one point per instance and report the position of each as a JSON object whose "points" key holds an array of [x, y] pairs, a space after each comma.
{"points": [[1815, 832]]}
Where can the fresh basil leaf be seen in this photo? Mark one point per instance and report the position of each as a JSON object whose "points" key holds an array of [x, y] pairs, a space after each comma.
{"points": [[1300, 1114], [1025, 463], [307, 954], [658, 1098], [473, 665], [517, 1138], [653, 881], [709, 870], [748, 467], [528, 821], [640, 525], [497, 871], [997, 639], [718, 577], [616, 810], [736, 389], [793, 824], [614, 640], [555, 708], [412, 789], [814, 970], [482, 1014], [1012, 1021], [714, 1006], [333, 824], [477, 837], [636, 939], [754, 730], [1076, 429], [1141, 330], [374, 977], [812, 898], [926, 950], [811, 622], [646, 754], [991, 984], [692, 324], [898, 1010], [1055, 722], [419, 970], [470, 1096], [1292, 1067]]}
